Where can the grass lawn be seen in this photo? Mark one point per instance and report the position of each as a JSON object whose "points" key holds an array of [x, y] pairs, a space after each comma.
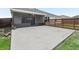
{"points": [[5, 43], [71, 43]]}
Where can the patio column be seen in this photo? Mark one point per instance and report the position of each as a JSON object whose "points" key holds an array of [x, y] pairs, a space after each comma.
{"points": [[48, 19]]}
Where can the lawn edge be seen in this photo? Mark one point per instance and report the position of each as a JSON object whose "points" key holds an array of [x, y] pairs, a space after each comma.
{"points": [[63, 41]]}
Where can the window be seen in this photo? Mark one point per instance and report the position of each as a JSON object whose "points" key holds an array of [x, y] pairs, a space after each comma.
{"points": [[26, 20]]}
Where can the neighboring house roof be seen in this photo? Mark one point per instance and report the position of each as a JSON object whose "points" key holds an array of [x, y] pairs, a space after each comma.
{"points": [[61, 17], [33, 11], [76, 16], [5, 17], [64, 16]]}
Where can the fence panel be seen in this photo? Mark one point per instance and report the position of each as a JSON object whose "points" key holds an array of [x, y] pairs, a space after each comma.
{"points": [[71, 23], [59, 23], [68, 23], [77, 24]]}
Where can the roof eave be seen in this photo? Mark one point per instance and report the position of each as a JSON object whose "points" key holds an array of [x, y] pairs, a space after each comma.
{"points": [[29, 12]]}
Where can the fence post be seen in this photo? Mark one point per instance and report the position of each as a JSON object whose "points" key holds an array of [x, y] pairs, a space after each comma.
{"points": [[55, 22], [74, 23], [62, 22]]}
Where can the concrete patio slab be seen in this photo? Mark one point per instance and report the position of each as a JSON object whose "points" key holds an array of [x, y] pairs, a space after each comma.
{"points": [[38, 37]]}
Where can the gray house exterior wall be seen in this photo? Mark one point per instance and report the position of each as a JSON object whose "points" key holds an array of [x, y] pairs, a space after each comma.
{"points": [[17, 19]]}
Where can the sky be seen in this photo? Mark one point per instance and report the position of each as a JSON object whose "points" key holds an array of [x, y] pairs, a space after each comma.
{"points": [[5, 12], [62, 11]]}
